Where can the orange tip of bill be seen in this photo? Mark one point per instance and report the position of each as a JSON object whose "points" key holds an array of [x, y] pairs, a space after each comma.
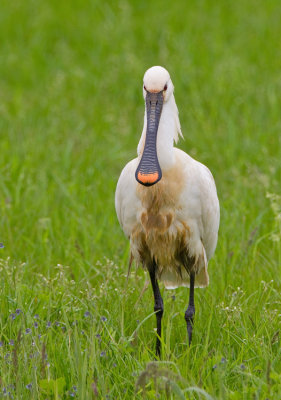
{"points": [[148, 178]]}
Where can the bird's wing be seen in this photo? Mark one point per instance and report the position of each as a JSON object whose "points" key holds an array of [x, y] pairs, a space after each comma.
{"points": [[200, 202], [210, 211], [127, 203]]}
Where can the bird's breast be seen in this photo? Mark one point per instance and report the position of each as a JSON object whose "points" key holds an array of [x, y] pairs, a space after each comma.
{"points": [[160, 202], [166, 192], [156, 221], [159, 231]]}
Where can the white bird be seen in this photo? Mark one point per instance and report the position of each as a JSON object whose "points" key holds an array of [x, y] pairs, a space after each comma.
{"points": [[166, 202]]}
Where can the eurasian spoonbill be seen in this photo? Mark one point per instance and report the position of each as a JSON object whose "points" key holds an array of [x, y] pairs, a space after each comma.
{"points": [[167, 203]]}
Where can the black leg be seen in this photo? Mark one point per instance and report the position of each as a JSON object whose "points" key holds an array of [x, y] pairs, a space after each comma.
{"points": [[158, 306], [190, 309]]}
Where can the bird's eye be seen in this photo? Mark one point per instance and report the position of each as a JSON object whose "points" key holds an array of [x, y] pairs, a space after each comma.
{"points": [[144, 88], [165, 87]]}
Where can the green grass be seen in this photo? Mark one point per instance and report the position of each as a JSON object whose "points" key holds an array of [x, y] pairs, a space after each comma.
{"points": [[71, 113]]}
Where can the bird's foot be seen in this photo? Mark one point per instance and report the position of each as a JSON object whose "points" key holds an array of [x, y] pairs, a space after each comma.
{"points": [[189, 314], [159, 310], [158, 349]]}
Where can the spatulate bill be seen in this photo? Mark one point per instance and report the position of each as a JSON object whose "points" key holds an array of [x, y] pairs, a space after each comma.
{"points": [[149, 172]]}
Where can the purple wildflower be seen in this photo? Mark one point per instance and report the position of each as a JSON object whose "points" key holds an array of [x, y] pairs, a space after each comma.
{"points": [[12, 342], [48, 324], [87, 314], [103, 354], [27, 331], [2, 246], [18, 311], [103, 318], [29, 386], [35, 324], [13, 316], [36, 316]]}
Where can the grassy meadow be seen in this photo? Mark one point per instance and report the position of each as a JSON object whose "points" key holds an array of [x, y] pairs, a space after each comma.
{"points": [[71, 114]]}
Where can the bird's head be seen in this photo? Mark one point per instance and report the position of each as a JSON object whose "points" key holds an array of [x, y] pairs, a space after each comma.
{"points": [[157, 80], [157, 89]]}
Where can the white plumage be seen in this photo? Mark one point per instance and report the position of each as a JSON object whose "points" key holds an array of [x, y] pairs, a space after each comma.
{"points": [[174, 222]]}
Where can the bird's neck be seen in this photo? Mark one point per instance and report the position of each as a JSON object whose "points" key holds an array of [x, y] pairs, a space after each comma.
{"points": [[168, 132]]}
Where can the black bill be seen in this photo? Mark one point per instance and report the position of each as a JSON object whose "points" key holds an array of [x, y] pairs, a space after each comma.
{"points": [[149, 172]]}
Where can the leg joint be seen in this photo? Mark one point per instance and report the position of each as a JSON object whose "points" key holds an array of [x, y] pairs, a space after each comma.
{"points": [[189, 313], [159, 308]]}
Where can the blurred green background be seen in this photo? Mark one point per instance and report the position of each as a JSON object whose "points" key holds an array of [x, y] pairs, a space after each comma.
{"points": [[71, 114], [72, 111]]}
